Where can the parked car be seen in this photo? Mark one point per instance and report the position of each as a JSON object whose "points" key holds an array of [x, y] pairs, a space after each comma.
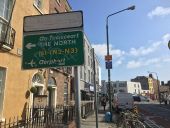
{"points": [[136, 98], [168, 99], [122, 100], [144, 98]]}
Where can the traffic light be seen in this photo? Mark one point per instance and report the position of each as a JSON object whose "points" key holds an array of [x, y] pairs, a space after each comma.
{"points": [[169, 44]]}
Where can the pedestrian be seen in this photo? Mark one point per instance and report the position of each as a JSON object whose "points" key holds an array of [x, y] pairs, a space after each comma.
{"points": [[165, 98], [103, 102]]}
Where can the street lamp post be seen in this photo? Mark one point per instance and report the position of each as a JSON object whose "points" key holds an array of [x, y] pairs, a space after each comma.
{"points": [[157, 82], [107, 36]]}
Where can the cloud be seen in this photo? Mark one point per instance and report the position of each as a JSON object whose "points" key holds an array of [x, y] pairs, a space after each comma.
{"points": [[134, 58], [166, 38], [159, 11], [144, 51], [118, 62], [101, 50], [137, 64], [134, 64], [145, 62], [166, 59]]}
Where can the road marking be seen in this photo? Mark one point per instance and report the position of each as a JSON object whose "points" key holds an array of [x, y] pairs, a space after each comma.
{"points": [[151, 123], [164, 108]]}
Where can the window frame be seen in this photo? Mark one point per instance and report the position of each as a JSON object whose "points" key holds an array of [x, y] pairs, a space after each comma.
{"points": [[65, 92], [37, 2], [7, 6], [4, 72]]}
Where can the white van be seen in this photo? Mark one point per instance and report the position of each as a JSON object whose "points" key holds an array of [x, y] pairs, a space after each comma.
{"points": [[122, 100]]}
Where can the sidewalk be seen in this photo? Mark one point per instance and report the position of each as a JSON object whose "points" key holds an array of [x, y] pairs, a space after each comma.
{"points": [[90, 122]]}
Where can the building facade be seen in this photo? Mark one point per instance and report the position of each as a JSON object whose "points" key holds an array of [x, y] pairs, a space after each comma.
{"points": [[86, 72], [20, 87], [144, 84], [134, 87], [122, 86]]}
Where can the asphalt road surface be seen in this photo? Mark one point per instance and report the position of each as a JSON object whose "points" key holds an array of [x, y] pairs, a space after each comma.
{"points": [[157, 115]]}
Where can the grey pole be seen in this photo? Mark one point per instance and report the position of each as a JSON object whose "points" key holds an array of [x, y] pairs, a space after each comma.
{"points": [[107, 37], [95, 89], [109, 90], [77, 98]]}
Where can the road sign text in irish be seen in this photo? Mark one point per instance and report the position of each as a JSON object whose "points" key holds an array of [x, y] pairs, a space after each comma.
{"points": [[53, 50]]}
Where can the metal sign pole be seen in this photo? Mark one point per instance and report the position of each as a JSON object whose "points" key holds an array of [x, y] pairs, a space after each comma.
{"points": [[95, 90], [77, 98]]}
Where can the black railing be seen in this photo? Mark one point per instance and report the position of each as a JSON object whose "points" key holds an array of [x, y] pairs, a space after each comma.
{"points": [[87, 109], [43, 117], [7, 35], [40, 117]]}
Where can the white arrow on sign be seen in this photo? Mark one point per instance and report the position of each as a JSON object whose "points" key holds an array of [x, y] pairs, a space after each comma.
{"points": [[32, 63], [30, 45]]}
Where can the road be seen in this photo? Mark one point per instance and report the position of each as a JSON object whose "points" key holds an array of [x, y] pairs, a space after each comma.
{"points": [[158, 116]]}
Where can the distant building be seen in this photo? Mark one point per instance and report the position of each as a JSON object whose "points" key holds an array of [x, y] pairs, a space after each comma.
{"points": [[134, 87], [153, 87], [122, 86], [144, 84]]}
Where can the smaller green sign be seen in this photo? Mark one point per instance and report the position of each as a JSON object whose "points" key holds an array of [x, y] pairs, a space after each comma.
{"points": [[53, 50]]}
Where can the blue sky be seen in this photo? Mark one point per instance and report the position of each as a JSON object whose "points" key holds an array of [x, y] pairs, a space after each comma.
{"points": [[138, 38]]}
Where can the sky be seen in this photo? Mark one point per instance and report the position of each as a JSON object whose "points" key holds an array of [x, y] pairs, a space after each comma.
{"points": [[138, 39]]}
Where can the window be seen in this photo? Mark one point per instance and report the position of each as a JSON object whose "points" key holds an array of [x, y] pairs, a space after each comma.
{"points": [[84, 76], [122, 85], [38, 78], [2, 86], [5, 9], [135, 85], [138, 91], [51, 82], [92, 80], [5, 13], [65, 93], [38, 3], [91, 63], [114, 85], [88, 60], [38, 81], [89, 75]]}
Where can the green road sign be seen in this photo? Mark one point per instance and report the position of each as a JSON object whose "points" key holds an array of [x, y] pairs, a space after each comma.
{"points": [[53, 50]]}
